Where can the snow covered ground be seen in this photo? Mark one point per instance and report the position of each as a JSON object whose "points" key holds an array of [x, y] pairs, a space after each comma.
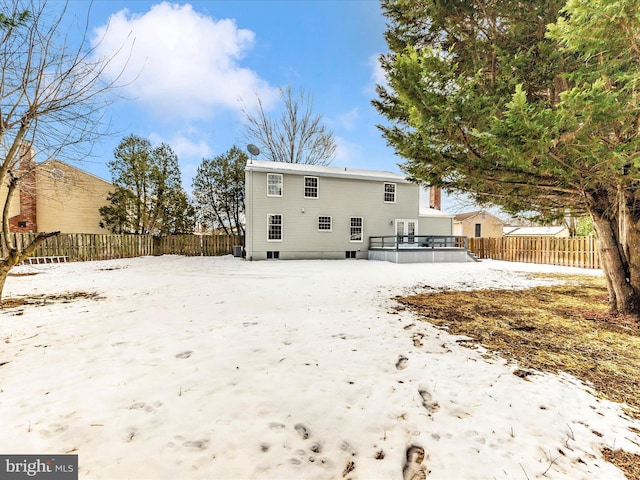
{"points": [[218, 368]]}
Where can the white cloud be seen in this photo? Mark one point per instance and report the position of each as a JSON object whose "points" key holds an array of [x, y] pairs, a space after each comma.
{"points": [[346, 152], [377, 77], [181, 64], [346, 121], [183, 145]]}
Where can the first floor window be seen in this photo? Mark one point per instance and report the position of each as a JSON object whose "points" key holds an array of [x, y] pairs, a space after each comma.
{"points": [[324, 223], [274, 227], [390, 193], [274, 184], [355, 232], [478, 232]]}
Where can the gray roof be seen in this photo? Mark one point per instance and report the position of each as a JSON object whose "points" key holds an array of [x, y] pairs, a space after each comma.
{"points": [[324, 171]]}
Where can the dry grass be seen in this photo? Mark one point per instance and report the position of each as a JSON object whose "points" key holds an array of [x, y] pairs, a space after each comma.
{"points": [[559, 328], [40, 300], [625, 461]]}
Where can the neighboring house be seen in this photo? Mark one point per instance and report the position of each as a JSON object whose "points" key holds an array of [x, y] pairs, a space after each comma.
{"points": [[559, 231], [297, 211], [54, 196], [477, 224]]}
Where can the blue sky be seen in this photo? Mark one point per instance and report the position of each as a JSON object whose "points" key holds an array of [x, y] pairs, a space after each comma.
{"points": [[194, 66], [191, 68]]}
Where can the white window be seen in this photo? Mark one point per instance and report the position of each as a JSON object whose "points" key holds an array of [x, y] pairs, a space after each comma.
{"points": [[324, 223], [355, 232], [310, 187], [274, 227], [406, 231], [390, 193], [274, 184]]}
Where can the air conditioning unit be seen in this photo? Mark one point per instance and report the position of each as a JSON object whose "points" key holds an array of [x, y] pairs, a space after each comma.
{"points": [[237, 250]]}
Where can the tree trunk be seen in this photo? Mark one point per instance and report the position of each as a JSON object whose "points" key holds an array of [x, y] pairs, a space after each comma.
{"points": [[16, 256], [623, 297], [632, 251]]}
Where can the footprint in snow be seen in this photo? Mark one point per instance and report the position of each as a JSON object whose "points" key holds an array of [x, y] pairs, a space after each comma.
{"points": [[428, 402], [413, 468], [401, 364], [302, 431]]}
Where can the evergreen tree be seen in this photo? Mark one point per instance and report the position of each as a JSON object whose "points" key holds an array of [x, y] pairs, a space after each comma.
{"points": [[148, 197], [218, 188], [525, 108]]}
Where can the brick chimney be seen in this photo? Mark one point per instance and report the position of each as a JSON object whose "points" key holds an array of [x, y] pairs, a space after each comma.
{"points": [[26, 220], [435, 197]]}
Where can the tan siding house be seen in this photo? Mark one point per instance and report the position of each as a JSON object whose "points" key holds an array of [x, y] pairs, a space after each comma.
{"points": [[69, 199], [54, 196], [296, 211], [478, 224]]}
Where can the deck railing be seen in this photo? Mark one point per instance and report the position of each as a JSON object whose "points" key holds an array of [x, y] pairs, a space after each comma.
{"points": [[416, 242]]}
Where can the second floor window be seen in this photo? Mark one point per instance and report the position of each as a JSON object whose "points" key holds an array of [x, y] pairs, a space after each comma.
{"points": [[390, 193], [274, 184], [310, 187]]}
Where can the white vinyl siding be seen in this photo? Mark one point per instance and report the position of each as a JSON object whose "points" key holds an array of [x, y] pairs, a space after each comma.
{"points": [[341, 198], [324, 223], [389, 193], [274, 184], [274, 227], [355, 229], [311, 185]]}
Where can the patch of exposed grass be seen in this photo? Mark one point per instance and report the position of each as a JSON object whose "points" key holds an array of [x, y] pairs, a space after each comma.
{"points": [[625, 461], [558, 328], [43, 299]]}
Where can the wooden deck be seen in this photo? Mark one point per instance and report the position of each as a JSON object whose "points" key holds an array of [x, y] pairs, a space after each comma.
{"points": [[420, 249], [417, 242]]}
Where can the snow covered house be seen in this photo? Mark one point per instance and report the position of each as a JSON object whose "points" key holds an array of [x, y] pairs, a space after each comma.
{"points": [[297, 211]]}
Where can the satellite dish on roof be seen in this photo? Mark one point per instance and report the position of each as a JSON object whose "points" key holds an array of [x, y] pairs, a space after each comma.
{"points": [[253, 150]]}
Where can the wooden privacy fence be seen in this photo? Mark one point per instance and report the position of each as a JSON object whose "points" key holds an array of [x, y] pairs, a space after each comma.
{"points": [[82, 247], [570, 252], [196, 245]]}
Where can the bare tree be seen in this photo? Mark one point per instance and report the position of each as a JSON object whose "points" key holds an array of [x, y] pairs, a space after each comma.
{"points": [[52, 98], [297, 136]]}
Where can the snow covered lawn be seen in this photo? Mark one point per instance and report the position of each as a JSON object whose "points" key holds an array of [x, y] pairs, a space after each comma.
{"points": [[218, 368]]}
